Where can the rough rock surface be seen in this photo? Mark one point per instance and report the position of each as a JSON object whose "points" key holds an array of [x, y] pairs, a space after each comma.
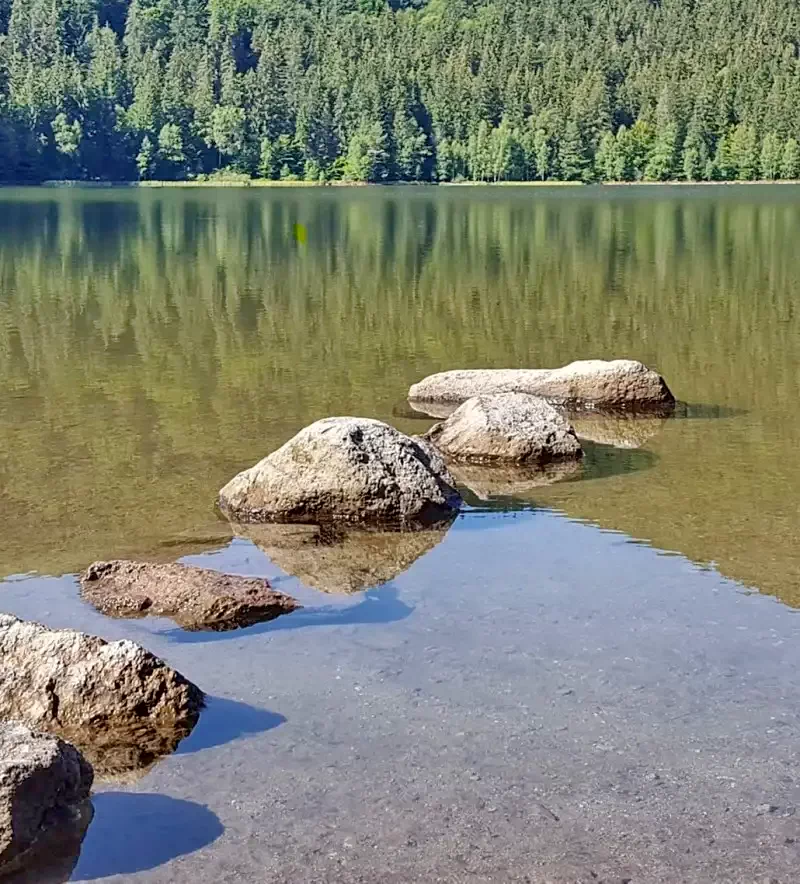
{"points": [[511, 428], [621, 384], [346, 469], [44, 795], [195, 598], [118, 703], [334, 558]]}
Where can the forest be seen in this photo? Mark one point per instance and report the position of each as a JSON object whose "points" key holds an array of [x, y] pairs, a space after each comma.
{"points": [[362, 90]]}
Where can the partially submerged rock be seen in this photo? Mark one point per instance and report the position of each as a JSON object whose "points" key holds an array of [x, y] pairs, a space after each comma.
{"points": [[508, 428], [195, 598], [120, 704], [622, 384], [337, 558], [344, 469], [44, 804]]}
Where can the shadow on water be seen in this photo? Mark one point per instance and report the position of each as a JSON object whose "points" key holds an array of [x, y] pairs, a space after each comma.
{"points": [[703, 411], [133, 832], [224, 721], [380, 605]]}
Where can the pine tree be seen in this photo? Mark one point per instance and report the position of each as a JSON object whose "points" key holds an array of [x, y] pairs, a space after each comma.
{"points": [[790, 161], [542, 154], [145, 158], [367, 156], [770, 162], [572, 155]]}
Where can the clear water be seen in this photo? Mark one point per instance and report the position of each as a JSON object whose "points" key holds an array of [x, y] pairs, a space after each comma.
{"points": [[529, 694]]}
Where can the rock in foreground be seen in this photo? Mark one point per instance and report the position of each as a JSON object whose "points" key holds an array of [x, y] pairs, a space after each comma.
{"points": [[339, 559], [509, 428], [344, 469], [622, 384], [195, 598], [120, 704], [44, 798]]}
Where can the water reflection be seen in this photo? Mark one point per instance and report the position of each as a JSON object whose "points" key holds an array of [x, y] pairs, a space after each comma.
{"points": [[381, 605], [53, 857], [338, 559], [151, 343]]}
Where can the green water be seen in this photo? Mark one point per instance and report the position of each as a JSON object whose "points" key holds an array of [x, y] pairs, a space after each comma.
{"points": [[154, 343]]}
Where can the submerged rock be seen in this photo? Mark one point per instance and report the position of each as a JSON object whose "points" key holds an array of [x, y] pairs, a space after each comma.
{"points": [[594, 383], [510, 428], [44, 804], [344, 469], [195, 598], [337, 558], [121, 705]]}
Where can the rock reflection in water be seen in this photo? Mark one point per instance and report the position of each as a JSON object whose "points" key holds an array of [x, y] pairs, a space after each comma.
{"points": [[53, 858], [491, 482], [335, 558], [619, 430], [126, 755]]}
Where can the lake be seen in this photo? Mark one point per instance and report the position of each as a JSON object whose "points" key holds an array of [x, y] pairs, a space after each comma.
{"points": [[589, 678]]}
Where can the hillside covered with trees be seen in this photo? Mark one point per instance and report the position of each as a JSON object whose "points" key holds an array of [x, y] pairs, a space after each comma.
{"points": [[442, 90]]}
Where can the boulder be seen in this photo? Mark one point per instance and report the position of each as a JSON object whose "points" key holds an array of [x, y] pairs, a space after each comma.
{"points": [[507, 428], [622, 384], [44, 804], [344, 469], [121, 705], [195, 598], [343, 559]]}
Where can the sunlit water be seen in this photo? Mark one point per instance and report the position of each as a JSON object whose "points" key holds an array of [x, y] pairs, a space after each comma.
{"points": [[529, 693]]}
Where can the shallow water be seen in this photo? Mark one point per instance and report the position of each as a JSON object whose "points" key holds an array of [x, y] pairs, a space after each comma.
{"points": [[538, 691]]}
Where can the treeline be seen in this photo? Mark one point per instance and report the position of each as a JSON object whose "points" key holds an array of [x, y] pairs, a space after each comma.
{"points": [[487, 90]]}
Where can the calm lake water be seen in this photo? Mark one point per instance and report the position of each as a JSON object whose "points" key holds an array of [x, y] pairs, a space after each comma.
{"points": [[538, 694]]}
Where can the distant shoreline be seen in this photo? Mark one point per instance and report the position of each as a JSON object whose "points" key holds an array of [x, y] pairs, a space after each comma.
{"points": [[267, 183]]}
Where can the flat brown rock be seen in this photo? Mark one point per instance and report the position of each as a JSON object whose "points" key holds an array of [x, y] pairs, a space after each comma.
{"points": [[119, 704], [195, 598]]}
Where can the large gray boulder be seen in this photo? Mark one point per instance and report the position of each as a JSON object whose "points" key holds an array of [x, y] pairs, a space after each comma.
{"points": [[120, 704], [622, 384], [506, 428], [344, 469], [195, 598], [44, 802]]}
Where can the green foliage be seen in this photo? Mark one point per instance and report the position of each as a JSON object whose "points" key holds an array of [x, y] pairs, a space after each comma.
{"points": [[145, 159], [405, 90], [367, 156], [790, 160]]}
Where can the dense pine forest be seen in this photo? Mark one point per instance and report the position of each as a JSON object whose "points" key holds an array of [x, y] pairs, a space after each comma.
{"points": [[445, 90]]}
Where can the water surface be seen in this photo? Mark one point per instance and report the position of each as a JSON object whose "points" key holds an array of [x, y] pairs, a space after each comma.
{"points": [[539, 691]]}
